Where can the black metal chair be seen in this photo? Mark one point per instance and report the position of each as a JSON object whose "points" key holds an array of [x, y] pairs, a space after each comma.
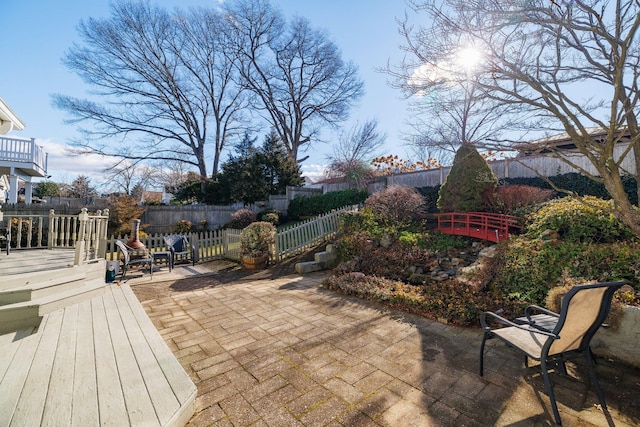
{"points": [[567, 335], [127, 260], [180, 249]]}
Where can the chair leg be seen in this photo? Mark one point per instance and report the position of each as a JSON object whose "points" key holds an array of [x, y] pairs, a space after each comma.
{"points": [[549, 387], [484, 340], [594, 380]]}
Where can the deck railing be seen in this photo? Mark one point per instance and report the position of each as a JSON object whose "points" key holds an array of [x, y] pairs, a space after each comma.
{"points": [[86, 233], [20, 150]]}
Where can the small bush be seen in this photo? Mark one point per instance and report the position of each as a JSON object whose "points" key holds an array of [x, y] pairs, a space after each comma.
{"points": [[271, 216], [512, 199], [257, 239], [579, 219], [397, 204], [241, 218], [183, 226]]}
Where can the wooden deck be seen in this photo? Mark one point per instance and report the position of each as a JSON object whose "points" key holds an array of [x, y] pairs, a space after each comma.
{"points": [[97, 362]]}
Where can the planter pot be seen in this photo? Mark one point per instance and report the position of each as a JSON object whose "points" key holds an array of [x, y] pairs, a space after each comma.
{"points": [[255, 263]]}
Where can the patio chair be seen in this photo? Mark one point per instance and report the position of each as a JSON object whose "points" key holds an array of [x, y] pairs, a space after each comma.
{"points": [[180, 249], [584, 308], [127, 260]]}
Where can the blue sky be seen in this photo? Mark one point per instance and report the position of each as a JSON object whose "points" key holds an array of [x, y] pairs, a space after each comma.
{"points": [[36, 33]]}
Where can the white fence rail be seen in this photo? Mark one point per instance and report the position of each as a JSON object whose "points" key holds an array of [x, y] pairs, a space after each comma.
{"points": [[86, 233], [217, 244], [302, 236]]}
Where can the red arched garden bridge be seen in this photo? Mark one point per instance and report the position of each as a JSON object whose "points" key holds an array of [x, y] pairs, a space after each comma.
{"points": [[481, 225]]}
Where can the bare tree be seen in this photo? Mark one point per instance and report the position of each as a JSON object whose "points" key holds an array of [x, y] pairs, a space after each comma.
{"points": [[159, 80], [438, 76], [352, 155], [573, 65], [296, 74], [124, 175]]}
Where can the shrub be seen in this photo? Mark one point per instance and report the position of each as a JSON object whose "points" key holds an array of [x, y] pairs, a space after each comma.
{"points": [[366, 255], [257, 239], [578, 219], [319, 204], [512, 199], [183, 226], [271, 216], [397, 204], [241, 218], [453, 301], [469, 180], [527, 270]]}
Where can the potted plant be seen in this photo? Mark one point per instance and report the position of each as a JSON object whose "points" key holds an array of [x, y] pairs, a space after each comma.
{"points": [[256, 241]]}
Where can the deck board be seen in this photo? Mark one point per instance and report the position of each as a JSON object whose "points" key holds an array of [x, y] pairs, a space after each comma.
{"points": [[157, 387], [85, 387], [182, 386], [139, 406], [100, 362], [112, 409], [16, 373], [59, 401], [39, 375]]}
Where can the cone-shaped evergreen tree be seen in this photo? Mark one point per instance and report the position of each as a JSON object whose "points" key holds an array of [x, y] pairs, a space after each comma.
{"points": [[469, 179]]}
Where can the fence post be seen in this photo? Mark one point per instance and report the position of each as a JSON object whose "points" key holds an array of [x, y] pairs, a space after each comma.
{"points": [[225, 242], [51, 237], [101, 250], [83, 218]]}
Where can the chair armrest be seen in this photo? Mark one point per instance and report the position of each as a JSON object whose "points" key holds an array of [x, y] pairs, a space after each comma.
{"points": [[500, 319], [527, 311]]}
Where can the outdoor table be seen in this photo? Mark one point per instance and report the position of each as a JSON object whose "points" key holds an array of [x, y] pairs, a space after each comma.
{"points": [[165, 255]]}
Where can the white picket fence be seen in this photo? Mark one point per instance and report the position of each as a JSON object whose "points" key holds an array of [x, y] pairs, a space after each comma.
{"points": [[309, 233], [218, 244]]}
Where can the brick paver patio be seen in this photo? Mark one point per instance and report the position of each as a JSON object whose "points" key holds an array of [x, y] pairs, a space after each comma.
{"points": [[285, 352]]}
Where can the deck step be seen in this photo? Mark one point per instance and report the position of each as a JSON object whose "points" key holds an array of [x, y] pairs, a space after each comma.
{"points": [[44, 288], [34, 278], [27, 314]]}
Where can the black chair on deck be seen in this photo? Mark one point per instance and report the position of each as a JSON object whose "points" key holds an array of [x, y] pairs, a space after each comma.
{"points": [[180, 249], [566, 335]]}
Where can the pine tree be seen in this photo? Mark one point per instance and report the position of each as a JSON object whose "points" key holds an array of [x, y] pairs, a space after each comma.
{"points": [[468, 183]]}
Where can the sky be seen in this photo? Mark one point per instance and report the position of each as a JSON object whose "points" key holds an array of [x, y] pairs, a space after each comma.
{"points": [[37, 33]]}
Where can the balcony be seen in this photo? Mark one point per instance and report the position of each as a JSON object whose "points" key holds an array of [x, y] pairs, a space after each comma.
{"points": [[22, 157]]}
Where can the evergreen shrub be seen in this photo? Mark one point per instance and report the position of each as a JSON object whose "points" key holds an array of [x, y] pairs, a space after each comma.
{"points": [[323, 203]]}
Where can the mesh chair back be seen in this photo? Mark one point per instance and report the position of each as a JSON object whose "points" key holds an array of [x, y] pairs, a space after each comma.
{"points": [[584, 309]]}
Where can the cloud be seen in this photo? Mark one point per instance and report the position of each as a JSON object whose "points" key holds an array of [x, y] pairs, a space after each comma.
{"points": [[62, 165]]}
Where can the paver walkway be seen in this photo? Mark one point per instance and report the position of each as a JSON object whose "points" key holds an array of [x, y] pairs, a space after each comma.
{"points": [[285, 352]]}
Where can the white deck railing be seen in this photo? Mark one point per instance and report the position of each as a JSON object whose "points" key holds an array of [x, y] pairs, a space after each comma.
{"points": [[86, 233], [19, 150]]}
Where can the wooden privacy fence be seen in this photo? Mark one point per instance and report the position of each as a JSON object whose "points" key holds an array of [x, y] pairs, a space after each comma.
{"points": [[85, 232], [216, 244]]}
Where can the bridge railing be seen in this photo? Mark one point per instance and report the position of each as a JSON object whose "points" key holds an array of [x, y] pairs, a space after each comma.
{"points": [[484, 225]]}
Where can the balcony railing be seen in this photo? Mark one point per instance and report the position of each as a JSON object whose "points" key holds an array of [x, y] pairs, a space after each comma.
{"points": [[20, 150]]}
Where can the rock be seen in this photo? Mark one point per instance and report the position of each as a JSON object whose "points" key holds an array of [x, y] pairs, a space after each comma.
{"points": [[385, 241], [488, 252], [357, 275], [456, 261]]}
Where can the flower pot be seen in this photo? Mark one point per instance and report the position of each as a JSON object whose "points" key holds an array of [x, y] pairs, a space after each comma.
{"points": [[255, 263]]}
